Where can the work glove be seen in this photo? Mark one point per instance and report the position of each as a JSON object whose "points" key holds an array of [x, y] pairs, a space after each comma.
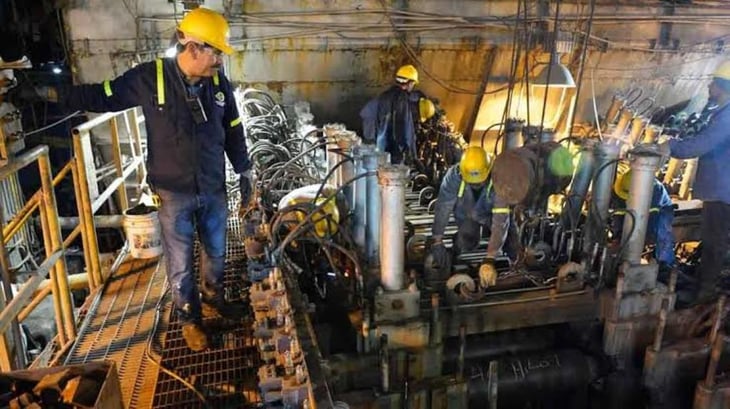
{"points": [[245, 184], [487, 273], [439, 254]]}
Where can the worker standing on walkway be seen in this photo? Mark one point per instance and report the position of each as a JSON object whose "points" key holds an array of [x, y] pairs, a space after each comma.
{"points": [[389, 120], [659, 227], [191, 120], [467, 192], [712, 146]]}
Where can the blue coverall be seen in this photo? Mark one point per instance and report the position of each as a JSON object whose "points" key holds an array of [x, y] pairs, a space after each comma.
{"points": [[185, 162], [472, 209], [659, 226], [712, 186], [389, 120]]}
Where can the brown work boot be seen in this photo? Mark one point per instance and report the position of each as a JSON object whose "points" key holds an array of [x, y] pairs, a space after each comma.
{"points": [[195, 337], [228, 310]]}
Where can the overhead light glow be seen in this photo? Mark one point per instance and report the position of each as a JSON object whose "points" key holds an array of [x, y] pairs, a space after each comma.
{"points": [[56, 70]]}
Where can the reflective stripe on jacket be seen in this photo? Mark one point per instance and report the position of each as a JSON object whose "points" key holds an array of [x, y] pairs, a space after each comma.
{"points": [[182, 156]]}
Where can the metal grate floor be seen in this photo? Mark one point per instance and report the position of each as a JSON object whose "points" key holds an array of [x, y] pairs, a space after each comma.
{"points": [[225, 374], [119, 324]]}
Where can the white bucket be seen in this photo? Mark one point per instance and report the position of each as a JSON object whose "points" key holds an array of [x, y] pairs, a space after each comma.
{"points": [[143, 234]]}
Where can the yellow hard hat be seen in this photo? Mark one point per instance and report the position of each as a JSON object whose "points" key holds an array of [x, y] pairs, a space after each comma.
{"points": [[207, 26], [723, 71], [622, 185], [426, 109], [475, 165], [406, 73]]}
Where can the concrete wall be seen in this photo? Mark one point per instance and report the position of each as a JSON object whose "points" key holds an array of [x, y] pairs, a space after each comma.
{"points": [[339, 53]]}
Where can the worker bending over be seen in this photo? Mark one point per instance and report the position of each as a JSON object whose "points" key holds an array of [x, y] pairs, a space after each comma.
{"points": [[466, 190], [191, 120], [712, 183], [389, 120], [661, 214]]}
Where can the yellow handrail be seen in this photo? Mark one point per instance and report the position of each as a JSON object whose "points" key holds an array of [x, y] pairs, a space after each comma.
{"points": [[18, 307]]}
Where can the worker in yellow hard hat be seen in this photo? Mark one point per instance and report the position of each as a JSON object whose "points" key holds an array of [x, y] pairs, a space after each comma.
{"points": [[466, 190], [390, 119], [661, 214], [192, 124], [712, 182]]}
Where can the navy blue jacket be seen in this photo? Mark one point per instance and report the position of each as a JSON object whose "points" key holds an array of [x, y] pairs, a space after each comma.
{"points": [[182, 156], [712, 146], [389, 120]]}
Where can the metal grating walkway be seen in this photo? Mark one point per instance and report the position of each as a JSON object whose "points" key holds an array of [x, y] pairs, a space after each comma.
{"points": [[119, 325], [226, 373], [135, 306]]}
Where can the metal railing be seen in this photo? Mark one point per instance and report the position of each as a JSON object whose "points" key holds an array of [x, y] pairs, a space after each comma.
{"points": [[84, 175]]}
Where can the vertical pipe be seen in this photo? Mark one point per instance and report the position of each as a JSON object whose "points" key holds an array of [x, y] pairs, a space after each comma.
{"points": [[346, 141], [644, 164], [512, 134], [82, 222], [49, 202], [330, 134], [360, 194], [371, 163], [84, 195], [392, 180], [118, 166], [606, 155], [58, 316], [384, 364], [581, 182]]}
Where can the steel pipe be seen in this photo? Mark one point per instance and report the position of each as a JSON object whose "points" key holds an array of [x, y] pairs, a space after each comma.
{"points": [[580, 184], [371, 163], [345, 141], [392, 180], [605, 157], [360, 194], [550, 379], [101, 221], [645, 161]]}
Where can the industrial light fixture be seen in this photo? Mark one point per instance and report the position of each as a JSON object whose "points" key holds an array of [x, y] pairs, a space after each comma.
{"points": [[555, 75], [554, 87]]}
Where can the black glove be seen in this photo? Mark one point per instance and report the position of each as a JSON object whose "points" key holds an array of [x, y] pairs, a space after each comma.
{"points": [[440, 255], [245, 183]]}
